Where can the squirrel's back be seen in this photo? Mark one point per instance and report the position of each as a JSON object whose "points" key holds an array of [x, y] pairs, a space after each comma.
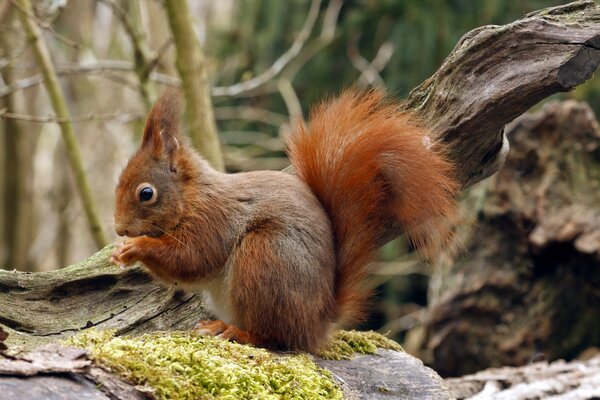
{"points": [[369, 164]]}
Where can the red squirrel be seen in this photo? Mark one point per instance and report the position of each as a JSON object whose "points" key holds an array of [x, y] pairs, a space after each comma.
{"points": [[282, 257]]}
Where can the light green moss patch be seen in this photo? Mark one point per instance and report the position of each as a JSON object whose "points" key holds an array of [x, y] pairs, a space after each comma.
{"points": [[345, 344], [185, 365]]}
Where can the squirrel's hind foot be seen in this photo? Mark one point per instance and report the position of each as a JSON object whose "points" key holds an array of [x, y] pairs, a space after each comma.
{"points": [[226, 331]]}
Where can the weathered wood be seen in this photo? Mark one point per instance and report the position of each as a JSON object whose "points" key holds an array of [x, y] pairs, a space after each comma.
{"points": [[527, 286], [555, 381], [61, 373], [37, 308], [389, 374], [496, 73]]}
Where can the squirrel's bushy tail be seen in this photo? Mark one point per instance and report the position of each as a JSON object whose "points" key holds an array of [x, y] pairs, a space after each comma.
{"points": [[371, 165]]}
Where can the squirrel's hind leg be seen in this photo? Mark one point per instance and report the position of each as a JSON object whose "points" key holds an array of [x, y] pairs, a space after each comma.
{"points": [[282, 291]]}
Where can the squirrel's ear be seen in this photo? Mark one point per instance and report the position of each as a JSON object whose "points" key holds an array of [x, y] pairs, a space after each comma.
{"points": [[162, 126]]}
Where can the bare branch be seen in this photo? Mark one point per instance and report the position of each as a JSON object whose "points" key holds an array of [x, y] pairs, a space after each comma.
{"points": [[370, 70], [162, 50], [383, 56], [45, 26], [250, 113], [248, 87], [122, 118], [191, 65], [326, 36], [97, 68], [144, 60], [290, 97], [369, 76]]}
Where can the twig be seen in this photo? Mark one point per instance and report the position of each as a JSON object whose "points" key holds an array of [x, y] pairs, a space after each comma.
{"points": [[369, 71], [289, 62], [144, 61], [123, 118], [290, 97], [326, 36], [100, 67], [256, 83], [15, 54], [60, 108], [28, 13], [250, 113], [21, 84], [162, 50], [383, 56]]}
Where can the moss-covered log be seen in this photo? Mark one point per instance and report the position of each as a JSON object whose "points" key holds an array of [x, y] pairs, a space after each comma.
{"points": [[37, 308], [186, 365]]}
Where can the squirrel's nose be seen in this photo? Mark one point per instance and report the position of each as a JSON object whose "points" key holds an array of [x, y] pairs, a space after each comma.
{"points": [[121, 230]]}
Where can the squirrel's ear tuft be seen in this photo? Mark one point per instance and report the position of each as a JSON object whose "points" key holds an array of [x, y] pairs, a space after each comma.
{"points": [[162, 125]]}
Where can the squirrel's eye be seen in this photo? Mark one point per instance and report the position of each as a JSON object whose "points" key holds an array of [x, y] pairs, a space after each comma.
{"points": [[146, 193]]}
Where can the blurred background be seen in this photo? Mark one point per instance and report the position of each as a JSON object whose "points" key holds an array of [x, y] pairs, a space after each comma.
{"points": [[113, 58]]}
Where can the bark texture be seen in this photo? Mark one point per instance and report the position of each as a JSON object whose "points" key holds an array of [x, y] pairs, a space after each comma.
{"points": [[43, 307], [496, 73]]}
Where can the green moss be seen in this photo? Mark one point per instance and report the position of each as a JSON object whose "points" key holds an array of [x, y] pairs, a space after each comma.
{"points": [[185, 365], [345, 344]]}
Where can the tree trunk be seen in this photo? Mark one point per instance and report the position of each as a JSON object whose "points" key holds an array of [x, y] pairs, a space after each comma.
{"points": [[19, 150]]}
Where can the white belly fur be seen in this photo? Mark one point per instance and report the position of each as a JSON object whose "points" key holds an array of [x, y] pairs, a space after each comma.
{"points": [[215, 297]]}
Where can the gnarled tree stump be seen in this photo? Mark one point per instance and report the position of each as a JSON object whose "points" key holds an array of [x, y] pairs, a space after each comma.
{"points": [[528, 285]]}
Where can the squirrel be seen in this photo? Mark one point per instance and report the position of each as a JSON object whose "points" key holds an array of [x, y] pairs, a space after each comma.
{"points": [[283, 258]]}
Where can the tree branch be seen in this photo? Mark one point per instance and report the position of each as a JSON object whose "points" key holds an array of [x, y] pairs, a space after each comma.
{"points": [[144, 61], [27, 12], [191, 65], [496, 73], [60, 108], [123, 118], [251, 86]]}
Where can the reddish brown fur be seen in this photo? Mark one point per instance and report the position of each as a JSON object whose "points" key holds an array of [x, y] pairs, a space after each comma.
{"points": [[367, 162], [283, 258]]}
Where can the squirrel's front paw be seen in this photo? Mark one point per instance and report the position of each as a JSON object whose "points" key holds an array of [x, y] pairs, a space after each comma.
{"points": [[126, 253]]}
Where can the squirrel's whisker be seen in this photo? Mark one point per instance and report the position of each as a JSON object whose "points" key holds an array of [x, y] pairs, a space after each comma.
{"points": [[168, 234]]}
